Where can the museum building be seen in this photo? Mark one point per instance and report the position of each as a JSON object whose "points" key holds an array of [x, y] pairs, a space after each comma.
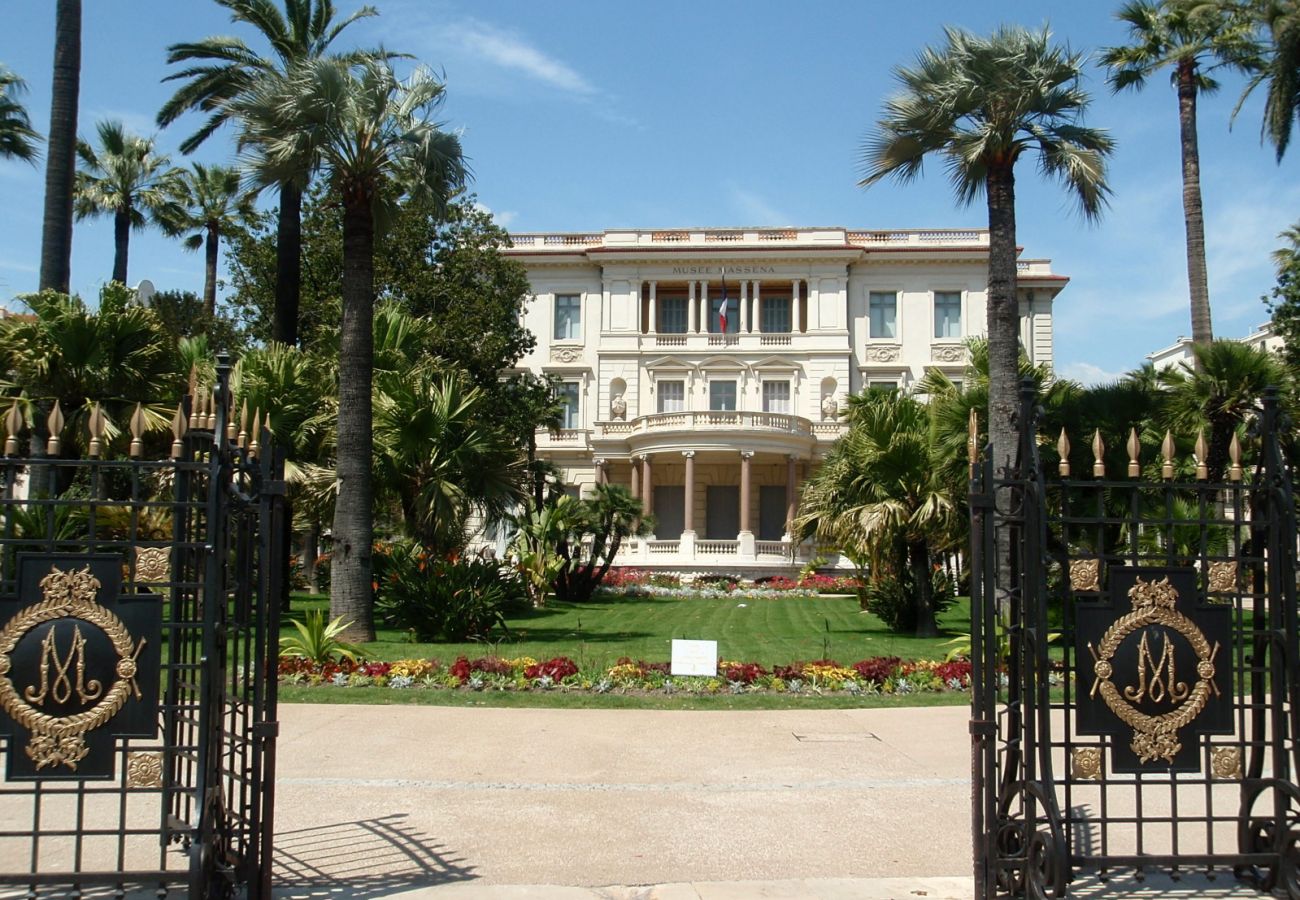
{"points": [[706, 369]]}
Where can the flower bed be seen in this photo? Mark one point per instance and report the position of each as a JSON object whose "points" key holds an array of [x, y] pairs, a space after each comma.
{"points": [[879, 675], [629, 582]]}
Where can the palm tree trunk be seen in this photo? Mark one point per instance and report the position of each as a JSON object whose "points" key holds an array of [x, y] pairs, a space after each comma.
{"points": [[210, 248], [1193, 218], [60, 160], [288, 265], [919, 557], [353, 537], [121, 243], [1003, 315], [310, 545]]}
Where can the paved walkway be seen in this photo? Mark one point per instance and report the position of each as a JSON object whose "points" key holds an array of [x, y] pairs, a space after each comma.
{"points": [[433, 803]]}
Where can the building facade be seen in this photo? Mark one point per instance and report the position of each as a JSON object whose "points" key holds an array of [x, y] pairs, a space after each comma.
{"points": [[1180, 352], [707, 369]]}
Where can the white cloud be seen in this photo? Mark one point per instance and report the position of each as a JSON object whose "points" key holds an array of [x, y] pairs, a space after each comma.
{"points": [[503, 218], [511, 51], [756, 209], [1087, 374]]}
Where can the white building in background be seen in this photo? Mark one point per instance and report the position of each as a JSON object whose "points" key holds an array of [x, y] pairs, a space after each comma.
{"points": [[1262, 338], [706, 368]]}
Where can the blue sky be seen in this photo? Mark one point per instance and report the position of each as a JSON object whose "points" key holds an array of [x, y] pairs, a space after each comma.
{"points": [[593, 115]]}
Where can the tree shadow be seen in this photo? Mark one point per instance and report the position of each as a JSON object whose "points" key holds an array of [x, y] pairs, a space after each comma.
{"points": [[362, 859]]}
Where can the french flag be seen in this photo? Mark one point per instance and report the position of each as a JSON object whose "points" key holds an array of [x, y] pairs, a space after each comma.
{"points": [[722, 310]]}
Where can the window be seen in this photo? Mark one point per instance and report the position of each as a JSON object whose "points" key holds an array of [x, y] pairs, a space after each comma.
{"points": [[957, 384], [672, 396], [720, 323], [722, 395], [672, 315], [568, 317], [947, 314], [776, 396], [884, 314], [775, 312], [891, 386], [567, 394]]}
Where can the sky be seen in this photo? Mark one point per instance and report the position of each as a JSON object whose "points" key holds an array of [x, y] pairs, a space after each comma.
{"points": [[583, 116]]}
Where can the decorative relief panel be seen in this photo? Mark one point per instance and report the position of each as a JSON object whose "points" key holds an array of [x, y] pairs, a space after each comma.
{"points": [[883, 353], [566, 354], [949, 353]]}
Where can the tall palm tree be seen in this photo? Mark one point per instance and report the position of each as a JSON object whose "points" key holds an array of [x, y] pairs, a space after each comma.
{"points": [[125, 178], [225, 69], [212, 203], [881, 495], [373, 137], [1192, 40], [61, 156], [18, 139], [1276, 65], [980, 104]]}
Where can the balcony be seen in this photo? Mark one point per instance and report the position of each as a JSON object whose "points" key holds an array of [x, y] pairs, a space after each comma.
{"points": [[710, 420]]}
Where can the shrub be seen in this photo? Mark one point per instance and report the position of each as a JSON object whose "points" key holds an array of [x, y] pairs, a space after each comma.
{"points": [[878, 669], [318, 641], [720, 580], [893, 600], [452, 599], [556, 669]]}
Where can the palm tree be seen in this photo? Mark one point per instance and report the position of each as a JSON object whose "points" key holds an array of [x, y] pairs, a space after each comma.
{"points": [[372, 135], [61, 158], [1193, 40], [225, 69], [979, 104], [439, 459], [18, 139], [212, 203], [1276, 65], [1221, 392], [127, 179], [881, 495]]}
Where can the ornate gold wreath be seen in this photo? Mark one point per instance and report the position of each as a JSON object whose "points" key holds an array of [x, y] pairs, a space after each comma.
{"points": [[61, 739], [1154, 737]]}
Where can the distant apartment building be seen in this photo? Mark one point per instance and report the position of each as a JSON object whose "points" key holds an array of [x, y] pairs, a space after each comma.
{"points": [[1180, 351], [706, 369]]}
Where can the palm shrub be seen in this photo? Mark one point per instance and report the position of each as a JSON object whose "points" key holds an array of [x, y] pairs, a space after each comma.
{"points": [[317, 640], [433, 599]]}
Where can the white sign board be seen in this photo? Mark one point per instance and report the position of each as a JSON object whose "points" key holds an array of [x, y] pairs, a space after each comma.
{"points": [[695, 658]]}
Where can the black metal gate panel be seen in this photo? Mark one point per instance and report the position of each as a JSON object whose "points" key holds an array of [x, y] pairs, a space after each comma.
{"points": [[138, 627], [1135, 667]]}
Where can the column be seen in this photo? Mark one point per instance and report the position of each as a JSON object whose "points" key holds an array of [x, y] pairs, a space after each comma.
{"points": [[692, 319], [744, 307], [757, 300], [747, 549], [704, 306], [796, 307], [653, 325], [636, 480], [602, 477], [688, 491], [791, 495], [647, 485]]}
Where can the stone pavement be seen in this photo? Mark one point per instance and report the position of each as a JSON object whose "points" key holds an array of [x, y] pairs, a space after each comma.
{"points": [[435, 803]]}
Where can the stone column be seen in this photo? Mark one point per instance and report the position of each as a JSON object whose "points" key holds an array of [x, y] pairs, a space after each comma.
{"points": [[688, 491], [602, 477], [692, 318], [744, 307], [754, 319], [796, 326], [647, 485], [747, 549], [791, 495], [653, 325], [636, 480], [704, 305]]}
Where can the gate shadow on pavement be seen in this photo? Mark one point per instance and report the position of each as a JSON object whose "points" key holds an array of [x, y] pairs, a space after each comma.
{"points": [[361, 859]]}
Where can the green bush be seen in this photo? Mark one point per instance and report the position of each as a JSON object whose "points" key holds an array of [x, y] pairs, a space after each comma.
{"points": [[893, 600], [436, 599]]}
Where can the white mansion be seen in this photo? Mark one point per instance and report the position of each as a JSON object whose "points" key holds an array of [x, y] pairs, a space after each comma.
{"points": [[706, 369]]}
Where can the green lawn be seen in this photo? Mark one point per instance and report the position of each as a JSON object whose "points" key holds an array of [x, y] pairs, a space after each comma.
{"points": [[769, 631]]}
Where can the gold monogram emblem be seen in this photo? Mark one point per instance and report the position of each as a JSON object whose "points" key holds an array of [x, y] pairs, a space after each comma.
{"points": [[1155, 737], [60, 740]]}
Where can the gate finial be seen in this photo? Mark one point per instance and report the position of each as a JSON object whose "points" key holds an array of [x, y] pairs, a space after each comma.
{"points": [[178, 431], [1234, 455], [1167, 451], [1202, 471], [54, 446], [137, 431], [242, 439], [1098, 451], [1134, 448], [96, 428], [972, 438], [13, 424], [254, 444], [210, 420], [1063, 450]]}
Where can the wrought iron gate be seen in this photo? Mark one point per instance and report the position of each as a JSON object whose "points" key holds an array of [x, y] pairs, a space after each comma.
{"points": [[139, 612], [1135, 665]]}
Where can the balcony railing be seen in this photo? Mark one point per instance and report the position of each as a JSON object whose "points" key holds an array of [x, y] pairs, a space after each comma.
{"points": [[712, 419], [829, 237], [717, 548]]}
